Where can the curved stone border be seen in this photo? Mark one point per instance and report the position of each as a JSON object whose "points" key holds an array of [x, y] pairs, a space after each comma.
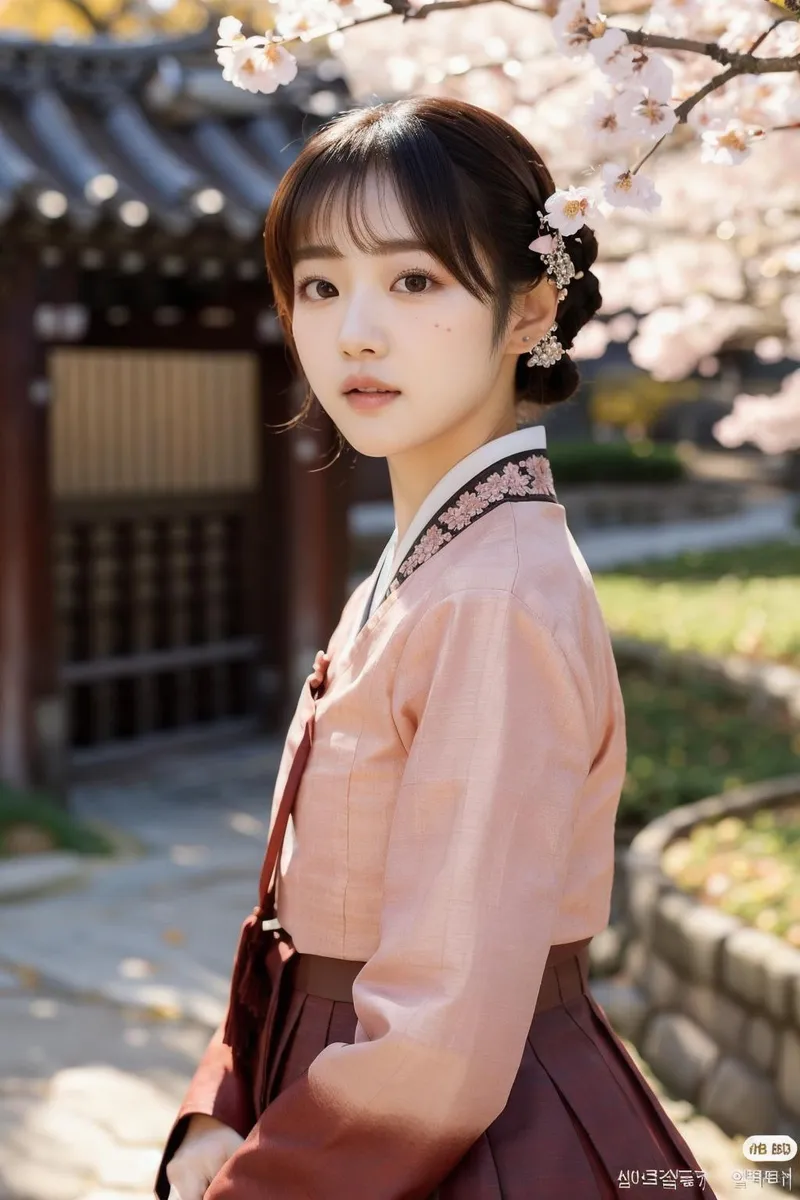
{"points": [[37, 874], [714, 1004], [770, 687], [711, 1003]]}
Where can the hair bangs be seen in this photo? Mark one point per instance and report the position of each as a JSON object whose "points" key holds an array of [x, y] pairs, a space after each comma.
{"points": [[440, 203]]}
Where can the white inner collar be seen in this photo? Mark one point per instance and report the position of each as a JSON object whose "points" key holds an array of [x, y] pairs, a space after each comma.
{"points": [[533, 437]]}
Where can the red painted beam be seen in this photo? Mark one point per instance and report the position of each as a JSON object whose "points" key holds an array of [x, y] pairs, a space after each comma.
{"points": [[29, 707]]}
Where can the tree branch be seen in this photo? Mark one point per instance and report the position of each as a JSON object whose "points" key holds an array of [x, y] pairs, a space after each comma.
{"points": [[686, 107], [746, 62], [762, 36], [682, 111]]}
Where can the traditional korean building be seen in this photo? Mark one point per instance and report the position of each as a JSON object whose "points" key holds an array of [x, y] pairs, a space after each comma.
{"points": [[169, 561]]}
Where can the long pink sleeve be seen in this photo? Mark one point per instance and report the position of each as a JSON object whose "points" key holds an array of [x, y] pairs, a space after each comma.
{"points": [[498, 730]]}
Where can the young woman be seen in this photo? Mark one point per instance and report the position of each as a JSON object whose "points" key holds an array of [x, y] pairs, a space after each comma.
{"points": [[413, 1018]]}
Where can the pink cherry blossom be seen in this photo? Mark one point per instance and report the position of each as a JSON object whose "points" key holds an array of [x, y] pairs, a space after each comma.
{"points": [[461, 514]]}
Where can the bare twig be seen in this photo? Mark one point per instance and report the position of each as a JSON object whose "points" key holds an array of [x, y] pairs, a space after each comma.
{"points": [[682, 111], [763, 36]]}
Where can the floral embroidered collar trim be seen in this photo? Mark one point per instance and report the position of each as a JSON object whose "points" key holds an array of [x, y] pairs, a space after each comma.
{"points": [[524, 476]]}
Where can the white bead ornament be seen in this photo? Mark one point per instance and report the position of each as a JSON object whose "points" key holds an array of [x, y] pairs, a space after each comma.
{"points": [[548, 350]]}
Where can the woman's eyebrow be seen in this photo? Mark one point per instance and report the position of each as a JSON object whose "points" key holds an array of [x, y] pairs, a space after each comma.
{"points": [[389, 246]]}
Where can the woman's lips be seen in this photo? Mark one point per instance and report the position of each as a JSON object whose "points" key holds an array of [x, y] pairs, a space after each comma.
{"points": [[367, 401]]}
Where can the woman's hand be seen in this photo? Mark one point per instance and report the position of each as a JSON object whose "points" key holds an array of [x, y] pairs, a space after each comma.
{"points": [[207, 1146]]}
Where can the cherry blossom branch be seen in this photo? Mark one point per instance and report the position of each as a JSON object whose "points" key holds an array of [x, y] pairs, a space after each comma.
{"points": [[745, 61], [713, 85], [736, 63]]}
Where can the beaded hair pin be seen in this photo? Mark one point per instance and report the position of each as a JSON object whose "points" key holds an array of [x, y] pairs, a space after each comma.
{"points": [[559, 266]]}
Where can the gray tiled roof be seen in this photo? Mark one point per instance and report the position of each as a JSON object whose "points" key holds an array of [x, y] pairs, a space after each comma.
{"points": [[147, 135]]}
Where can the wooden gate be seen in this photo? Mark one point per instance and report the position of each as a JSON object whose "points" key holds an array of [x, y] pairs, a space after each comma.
{"points": [[155, 476]]}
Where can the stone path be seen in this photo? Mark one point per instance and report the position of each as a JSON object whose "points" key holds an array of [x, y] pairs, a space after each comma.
{"points": [[87, 1093], [765, 521], [108, 992]]}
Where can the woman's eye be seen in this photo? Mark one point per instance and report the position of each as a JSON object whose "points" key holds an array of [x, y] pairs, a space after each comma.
{"points": [[418, 275], [305, 283]]}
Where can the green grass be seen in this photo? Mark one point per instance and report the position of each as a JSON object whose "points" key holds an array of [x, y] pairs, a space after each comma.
{"points": [[743, 601], [750, 869], [689, 740], [32, 808]]}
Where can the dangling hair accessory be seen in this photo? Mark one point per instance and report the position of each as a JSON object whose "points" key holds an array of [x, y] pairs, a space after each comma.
{"points": [[557, 262], [561, 269]]}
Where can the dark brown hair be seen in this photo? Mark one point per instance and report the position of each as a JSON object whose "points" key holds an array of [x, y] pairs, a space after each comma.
{"points": [[465, 178]]}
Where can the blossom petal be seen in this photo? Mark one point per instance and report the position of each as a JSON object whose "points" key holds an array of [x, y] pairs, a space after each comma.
{"points": [[229, 28]]}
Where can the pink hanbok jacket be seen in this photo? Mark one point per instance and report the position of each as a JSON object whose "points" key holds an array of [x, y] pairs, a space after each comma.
{"points": [[455, 819]]}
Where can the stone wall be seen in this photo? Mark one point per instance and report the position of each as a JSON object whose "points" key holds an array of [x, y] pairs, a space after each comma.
{"points": [[604, 505], [712, 1004]]}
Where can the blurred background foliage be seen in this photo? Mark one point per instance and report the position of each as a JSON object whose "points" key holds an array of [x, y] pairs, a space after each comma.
{"points": [[31, 822], [741, 601], [126, 19], [688, 740], [642, 461]]}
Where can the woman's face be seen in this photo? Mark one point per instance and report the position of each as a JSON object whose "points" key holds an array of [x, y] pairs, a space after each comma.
{"points": [[401, 317]]}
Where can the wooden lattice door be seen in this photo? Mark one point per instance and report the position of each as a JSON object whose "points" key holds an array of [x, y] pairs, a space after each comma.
{"points": [[155, 474]]}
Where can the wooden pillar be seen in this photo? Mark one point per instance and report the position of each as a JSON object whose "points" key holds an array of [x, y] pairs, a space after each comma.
{"points": [[318, 542], [31, 737], [270, 579]]}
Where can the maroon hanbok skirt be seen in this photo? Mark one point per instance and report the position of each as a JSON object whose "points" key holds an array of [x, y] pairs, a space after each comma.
{"points": [[581, 1122]]}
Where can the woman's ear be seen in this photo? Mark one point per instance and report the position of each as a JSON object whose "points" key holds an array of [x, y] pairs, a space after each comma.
{"points": [[539, 307], [539, 311]]}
